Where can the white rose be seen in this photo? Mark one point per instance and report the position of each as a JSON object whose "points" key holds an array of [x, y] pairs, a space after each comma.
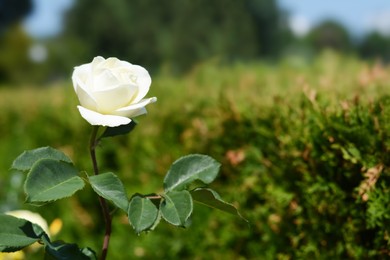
{"points": [[111, 91], [32, 217]]}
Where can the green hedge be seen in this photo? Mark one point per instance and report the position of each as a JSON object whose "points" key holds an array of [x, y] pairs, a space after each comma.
{"points": [[304, 151]]}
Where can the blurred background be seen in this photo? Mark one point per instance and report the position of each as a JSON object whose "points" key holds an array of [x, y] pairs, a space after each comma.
{"points": [[42, 40], [291, 96]]}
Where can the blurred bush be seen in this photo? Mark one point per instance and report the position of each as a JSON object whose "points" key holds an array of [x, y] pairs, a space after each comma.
{"points": [[304, 152], [169, 36]]}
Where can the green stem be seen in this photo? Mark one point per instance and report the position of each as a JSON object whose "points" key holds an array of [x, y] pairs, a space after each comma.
{"points": [[103, 204]]}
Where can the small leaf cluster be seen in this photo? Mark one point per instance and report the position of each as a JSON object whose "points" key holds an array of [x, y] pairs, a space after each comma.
{"points": [[51, 175], [176, 204]]}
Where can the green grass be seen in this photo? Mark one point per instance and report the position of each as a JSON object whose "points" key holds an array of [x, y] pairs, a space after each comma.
{"points": [[295, 141]]}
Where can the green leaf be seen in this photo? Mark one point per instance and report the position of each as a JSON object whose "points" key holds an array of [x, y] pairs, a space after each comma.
{"points": [[190, 168], [119, 130], [64, 251], [109, 186], [176, 208], [210, 198], [26, 160], [142, 214], [50, 180], [16, 233], [89, 253]]}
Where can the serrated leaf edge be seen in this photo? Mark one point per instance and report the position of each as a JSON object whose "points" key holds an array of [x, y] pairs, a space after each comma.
{"points": [[217, 197], [189, 215], [77, 177], [104, 195], [44, 147], [151, 226], [172, 188]]}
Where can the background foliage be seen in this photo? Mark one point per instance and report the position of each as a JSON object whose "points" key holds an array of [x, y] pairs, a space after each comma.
{"points": [[302, 133], [176, 33], [304, 152], [169, 36]]}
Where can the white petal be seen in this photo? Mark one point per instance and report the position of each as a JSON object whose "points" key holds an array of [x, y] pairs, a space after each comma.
{"points": [[111, 62], [81, 74], [109, 100], [96, 62], [138, 112], [143, 81], [32, 217], [124, 63], [85, 97], [133, 110], [104, 80], [95, 118], [132, 113], [81, 77]]}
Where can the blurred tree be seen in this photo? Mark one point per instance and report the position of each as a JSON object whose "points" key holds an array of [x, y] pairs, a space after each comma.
{"points": [[375, 45], [175, 32], [11, 11], [330, 34], [14, 42], [203, 29], [14, 62], [272, 31]]}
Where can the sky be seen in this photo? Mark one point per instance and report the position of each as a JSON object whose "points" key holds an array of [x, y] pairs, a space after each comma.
{"points": [[359, 16], [46, 18]]}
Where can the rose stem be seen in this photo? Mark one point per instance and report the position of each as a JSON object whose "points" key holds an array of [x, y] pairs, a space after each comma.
{"points": [[106, 214]]}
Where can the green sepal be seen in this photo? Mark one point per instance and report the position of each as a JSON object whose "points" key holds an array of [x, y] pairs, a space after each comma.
{"points": [[119, 130]]}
